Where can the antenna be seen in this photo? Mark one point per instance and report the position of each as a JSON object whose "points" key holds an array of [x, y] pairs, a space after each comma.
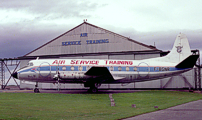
{"points": [[84, 20]]}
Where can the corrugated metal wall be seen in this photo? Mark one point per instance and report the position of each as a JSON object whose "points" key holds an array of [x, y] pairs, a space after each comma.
{"points": [[117, 43]]}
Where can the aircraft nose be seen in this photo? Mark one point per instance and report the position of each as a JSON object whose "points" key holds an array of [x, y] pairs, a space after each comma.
{"points": [[15, 75]]}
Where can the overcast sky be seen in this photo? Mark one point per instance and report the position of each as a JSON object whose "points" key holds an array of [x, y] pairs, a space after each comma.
{"points": [[27, 24]]}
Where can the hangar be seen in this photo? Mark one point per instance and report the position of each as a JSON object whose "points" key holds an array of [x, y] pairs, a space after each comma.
{"points": [[87, 41]]}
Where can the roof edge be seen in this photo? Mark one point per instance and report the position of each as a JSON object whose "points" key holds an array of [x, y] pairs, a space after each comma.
{"points": [[53, 39], [149, 46]]}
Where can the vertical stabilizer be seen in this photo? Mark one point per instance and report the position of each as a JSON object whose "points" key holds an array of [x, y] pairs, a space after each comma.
{"points": [[180, 51]]}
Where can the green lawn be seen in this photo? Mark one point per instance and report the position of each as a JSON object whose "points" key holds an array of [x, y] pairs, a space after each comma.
{"points": [[87, 106]]}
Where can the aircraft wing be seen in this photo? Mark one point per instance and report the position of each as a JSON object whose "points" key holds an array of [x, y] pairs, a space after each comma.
{"points": [[100, 72]]}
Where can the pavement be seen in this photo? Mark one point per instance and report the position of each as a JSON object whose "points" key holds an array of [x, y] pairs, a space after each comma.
{"points": [[188, 111]]}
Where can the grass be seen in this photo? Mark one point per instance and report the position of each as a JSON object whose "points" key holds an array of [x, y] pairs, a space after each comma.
{"points": [[87, 106]]}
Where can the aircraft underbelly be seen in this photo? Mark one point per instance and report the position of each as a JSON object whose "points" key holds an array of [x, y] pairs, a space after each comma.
{"points": [[142, 76]]}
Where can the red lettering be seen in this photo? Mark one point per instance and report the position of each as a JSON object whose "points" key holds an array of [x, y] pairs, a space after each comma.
{"points": [[82, 62], [72, 62], [126, 62], [106, 62], [55, 62], [77, 62], [110, 62], [87, 62], [62, 62], [96, 62], [120, 62]]}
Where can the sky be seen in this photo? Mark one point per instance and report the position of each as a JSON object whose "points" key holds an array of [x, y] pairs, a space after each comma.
{"points": [[27, 24]]}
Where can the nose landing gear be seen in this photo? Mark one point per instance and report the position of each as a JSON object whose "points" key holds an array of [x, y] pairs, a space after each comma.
{"points": [[36, 90]]}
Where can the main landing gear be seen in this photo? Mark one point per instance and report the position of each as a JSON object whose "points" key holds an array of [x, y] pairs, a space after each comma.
{"points": [[93, 87], [93, 90], [36, 90]]}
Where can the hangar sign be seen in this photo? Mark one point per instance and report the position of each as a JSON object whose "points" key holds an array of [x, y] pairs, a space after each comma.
{"points": [[71, 43], [100, 41]]}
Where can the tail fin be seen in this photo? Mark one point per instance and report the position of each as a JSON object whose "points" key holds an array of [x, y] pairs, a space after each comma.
{"points": [[180, 51]]}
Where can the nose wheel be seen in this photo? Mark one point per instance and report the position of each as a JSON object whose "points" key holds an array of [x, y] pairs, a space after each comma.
{"points": [[36, 90]]}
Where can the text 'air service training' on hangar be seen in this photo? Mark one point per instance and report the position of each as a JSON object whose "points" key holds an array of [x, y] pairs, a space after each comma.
{"points": [[87, 41]]}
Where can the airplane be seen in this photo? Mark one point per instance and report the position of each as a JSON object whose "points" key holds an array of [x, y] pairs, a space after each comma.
{"points": [[94, 72]]}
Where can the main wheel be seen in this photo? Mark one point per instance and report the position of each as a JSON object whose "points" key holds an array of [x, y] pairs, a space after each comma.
{"points": [[94, 90]]}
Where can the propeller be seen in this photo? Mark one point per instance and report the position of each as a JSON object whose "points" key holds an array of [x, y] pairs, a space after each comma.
{"points": [[58, 78]]}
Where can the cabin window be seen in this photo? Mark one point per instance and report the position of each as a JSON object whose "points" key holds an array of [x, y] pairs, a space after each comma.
{"points": [[127, 68], [119, 68], [111, 68], [63, 68], [135, 68], [30, 64], [72, 68], [88, 67], [80, 68]]}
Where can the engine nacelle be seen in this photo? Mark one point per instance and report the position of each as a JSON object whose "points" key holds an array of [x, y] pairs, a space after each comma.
{"points": [[66, 76]]}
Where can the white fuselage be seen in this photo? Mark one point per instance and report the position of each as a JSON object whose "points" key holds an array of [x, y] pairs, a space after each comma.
{"points": [[73, 70]]}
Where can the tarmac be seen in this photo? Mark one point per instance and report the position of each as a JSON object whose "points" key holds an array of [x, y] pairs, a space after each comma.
{"points": [[188, 111]]}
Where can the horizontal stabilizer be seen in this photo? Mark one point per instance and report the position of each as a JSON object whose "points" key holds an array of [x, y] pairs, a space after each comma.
{"points": [[189, 62]]}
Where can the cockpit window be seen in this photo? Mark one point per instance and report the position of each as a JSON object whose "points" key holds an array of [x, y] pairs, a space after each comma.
{"points": [[30, 64]]}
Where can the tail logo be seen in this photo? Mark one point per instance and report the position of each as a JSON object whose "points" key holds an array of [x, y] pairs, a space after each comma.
{"points": [[179, 49]]}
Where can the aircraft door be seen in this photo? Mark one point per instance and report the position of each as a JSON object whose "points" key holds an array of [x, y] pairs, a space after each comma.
{"points": [[143, 70], [44, 69]]}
